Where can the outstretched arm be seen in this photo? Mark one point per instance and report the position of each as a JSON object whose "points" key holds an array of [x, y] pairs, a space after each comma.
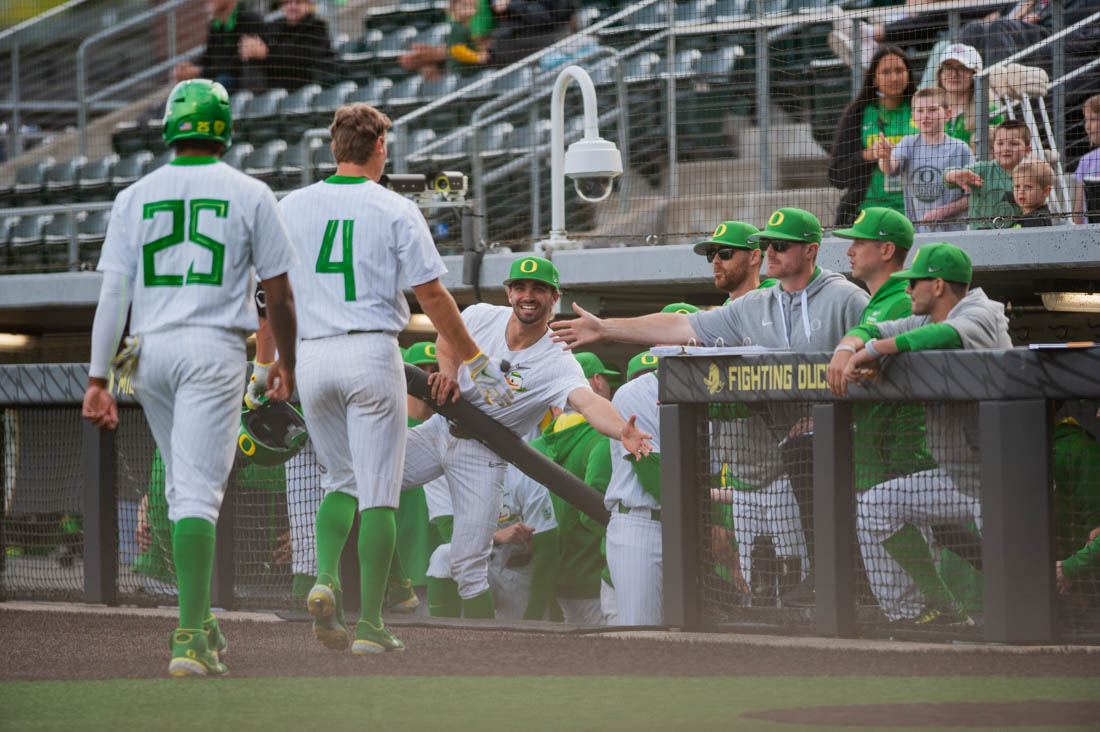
{"points": [[663, 328], [603, 416]]}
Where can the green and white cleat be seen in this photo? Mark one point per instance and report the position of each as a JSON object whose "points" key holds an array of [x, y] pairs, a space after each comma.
{"points": [[326, 605], [215, 639], [401, 598], [374, 639], [192, 657]]}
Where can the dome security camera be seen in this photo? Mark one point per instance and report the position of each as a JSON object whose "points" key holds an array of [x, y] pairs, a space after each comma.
{"points": [[593, 163]]}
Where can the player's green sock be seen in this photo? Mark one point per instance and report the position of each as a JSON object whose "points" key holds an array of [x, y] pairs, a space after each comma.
{"points": [[479, 606], [911, 552], [334, 519], [193, 550], [377, 537], [443, 598], [398, 577]]}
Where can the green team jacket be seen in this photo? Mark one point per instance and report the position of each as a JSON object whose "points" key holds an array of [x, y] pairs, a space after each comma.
{"points": [[1076, 499], [889, 439], [580, 559], [416, 537]]}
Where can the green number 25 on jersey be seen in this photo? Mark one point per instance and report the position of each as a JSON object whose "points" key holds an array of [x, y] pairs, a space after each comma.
{"points": [[175, 208]]}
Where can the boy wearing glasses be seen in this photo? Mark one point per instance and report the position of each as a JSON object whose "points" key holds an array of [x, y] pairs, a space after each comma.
{"points": [[736, 260]]}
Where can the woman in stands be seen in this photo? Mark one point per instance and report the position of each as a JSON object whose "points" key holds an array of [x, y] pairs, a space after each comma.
{"points": [[955, 75], [879, 113]]}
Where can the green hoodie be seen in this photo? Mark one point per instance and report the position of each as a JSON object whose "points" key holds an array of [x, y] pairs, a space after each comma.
{"points": [[1077, 499], [581, 560]]}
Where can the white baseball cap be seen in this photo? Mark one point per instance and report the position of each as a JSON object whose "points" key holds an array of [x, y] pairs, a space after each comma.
{"points": [[966, 55]]}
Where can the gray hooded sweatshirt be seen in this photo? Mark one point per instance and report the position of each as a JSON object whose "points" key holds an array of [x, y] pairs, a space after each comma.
{"points": [[952, 426]]}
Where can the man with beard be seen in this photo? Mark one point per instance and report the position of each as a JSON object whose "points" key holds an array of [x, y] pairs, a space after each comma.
{"points": [[736, 260], [541, 376]]}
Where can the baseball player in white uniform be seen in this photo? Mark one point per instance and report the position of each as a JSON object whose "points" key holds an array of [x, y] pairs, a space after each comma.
{"points": [[358, 245], [541, 375], [183, 242], [634, 499], [524, 560]]}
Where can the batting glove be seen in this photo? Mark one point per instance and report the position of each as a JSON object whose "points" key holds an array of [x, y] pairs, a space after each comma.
{"points": [[488, 376], [257, 386], [125, 361]]}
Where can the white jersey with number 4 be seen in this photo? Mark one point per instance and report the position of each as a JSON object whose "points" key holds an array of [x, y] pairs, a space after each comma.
{"points": [[358, 244], [189, 235], [541, 376]]}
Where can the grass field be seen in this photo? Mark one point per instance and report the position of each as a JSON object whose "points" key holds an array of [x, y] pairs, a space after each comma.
{"points": [[527, 703]]}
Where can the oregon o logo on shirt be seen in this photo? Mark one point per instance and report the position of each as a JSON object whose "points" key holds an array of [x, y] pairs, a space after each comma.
{"points": [[719, 231], [776, 219], [528, 266]]}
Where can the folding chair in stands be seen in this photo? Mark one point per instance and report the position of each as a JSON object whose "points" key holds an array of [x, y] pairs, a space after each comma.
{"points": [[57, 236], [93, 179], [27, 190], [27, 246], [61, 180]]}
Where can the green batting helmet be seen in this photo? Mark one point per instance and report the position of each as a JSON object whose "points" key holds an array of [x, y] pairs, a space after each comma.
{"points": [[198, 109], [272, 434]]}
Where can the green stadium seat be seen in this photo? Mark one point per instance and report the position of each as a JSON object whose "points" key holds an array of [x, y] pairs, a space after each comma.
{"points": [[61, 180], [57, 237], [27, 188], [93, 180], [128, 169], [90, 235], [27, 245]]}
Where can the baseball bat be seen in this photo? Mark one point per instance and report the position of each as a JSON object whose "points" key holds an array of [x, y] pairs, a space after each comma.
{"points": [[509, 446]]}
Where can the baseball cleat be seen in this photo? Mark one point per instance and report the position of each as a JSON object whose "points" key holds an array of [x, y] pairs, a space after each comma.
{"points": [[371, 639], [326, 605], [215, 639], [191, 656], [401, 598]]}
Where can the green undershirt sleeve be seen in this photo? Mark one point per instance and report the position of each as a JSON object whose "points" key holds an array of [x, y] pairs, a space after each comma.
{"points": [[931, 337], [1084, 559], [865, 332], [545, 574], [648, 470]]}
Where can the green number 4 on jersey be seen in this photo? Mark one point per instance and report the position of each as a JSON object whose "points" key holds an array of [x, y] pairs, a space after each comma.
{"points": [[346, 265]]}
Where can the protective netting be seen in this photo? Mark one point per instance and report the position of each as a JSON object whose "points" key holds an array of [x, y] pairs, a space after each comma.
{"points": [[42, 538], [728, 109]]}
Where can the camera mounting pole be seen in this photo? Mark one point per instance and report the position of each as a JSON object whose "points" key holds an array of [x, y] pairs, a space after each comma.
{"points": [[591, 159]]}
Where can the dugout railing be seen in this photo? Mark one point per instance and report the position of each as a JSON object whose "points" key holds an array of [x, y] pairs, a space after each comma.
{"points": [[1007, 412]]}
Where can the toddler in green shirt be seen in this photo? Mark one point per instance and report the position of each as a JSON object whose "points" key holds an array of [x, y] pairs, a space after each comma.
{"points": [[989, 182]]}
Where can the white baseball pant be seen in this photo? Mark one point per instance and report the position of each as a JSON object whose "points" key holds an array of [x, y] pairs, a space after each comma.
{"points": [[190, 382], [609, 604], [634, 559], [770, 511], [922, 499], [582, 612]]}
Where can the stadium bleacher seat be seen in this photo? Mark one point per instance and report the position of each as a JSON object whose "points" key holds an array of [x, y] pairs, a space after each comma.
{"points": [[128, 169], [27, 189], [586, 16], [263, 162], [128, 137], [405, 96], [154, 135], [294, 112], [56, 237], [235, 155], [396, 42], [61, 180], [161, 159], [494, 141], [433, 35], [90, 234], [27, 245], [728, 11], [328, 101], [524, 139], [695, 12], [323, 164], [93, 180], [451, 155], [259, 122], [289, 165], [373, 92], [7, 223]]}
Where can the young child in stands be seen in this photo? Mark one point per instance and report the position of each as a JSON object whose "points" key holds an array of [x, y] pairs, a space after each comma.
{"points": [[921, 160], [989, 182], [1089, 167], [1031, 183]]}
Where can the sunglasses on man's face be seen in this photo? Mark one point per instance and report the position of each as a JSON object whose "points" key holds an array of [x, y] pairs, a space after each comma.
{"points": [[779, 245], [723, 253]]}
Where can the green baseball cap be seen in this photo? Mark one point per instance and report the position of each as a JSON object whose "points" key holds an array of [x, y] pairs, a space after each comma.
{"points": [[592, 365], [683, 308], [643, 362], [729, 234], [533, 268], [792, 224], [884, 224], [938, 261], [421, 353]]}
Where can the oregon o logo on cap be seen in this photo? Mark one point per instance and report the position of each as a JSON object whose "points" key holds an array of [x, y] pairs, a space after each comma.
{"points": [[251, 446], [649, 359], [681, 311], [429, 350], [719, 231], [528, 266], [776, 219], [862, 215]]}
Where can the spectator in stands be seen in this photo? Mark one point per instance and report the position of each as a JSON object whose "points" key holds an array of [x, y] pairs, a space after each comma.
{"points": [[1077, 509], [989, 182], [467, 46], [947, 314], [1031, 184], [527, 26], [235, 49], [921, 160], [879, 116], [1089, 166], [298, 50], [955, 75]]}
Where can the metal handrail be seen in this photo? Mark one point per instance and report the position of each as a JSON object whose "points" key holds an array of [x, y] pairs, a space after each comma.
{"points": [[20, 27], [81, 54], [1039, 45]]}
